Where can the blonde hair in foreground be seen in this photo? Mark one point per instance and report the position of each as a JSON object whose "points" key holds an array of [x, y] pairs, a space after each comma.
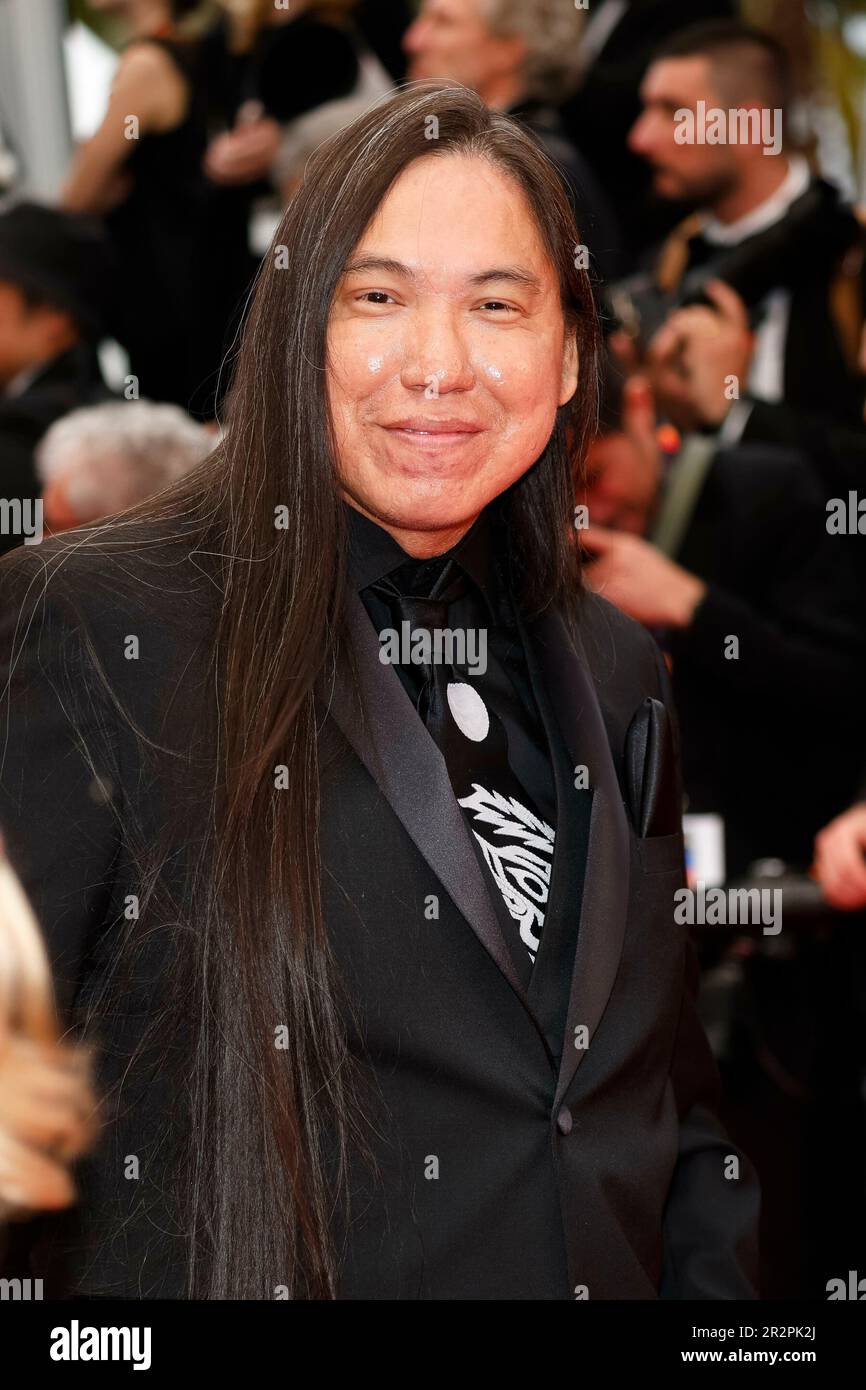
{"points": [[47, 1106]]}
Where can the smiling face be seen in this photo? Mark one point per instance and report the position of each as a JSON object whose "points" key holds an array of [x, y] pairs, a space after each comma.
{"points": [[447, 351]]}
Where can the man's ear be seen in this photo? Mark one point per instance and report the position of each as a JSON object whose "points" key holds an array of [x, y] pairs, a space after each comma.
{"points": [[570, 368]]}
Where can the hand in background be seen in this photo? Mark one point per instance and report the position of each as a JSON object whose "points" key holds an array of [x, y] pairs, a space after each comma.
{"points": [[46, 1119], [47, 1107], [840, 859], [631, 573], [247, 152], [696, 352]]}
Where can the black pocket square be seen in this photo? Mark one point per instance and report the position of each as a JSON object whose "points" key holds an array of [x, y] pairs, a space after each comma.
{"points": [[650, 771]]}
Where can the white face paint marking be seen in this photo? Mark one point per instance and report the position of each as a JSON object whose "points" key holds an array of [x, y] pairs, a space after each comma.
{"points": [[492, 370], [374, 364], [469, 711]]}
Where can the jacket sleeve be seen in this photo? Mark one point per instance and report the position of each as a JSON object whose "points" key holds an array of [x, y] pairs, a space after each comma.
{"points": [[710, 1228], [802, 653], [798, 620], [58, 779], [836, 451]]}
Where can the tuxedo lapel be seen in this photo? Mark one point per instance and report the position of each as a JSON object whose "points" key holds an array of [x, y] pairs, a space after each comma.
{"points": [[548, 991], [566, 675], [398, 752]]}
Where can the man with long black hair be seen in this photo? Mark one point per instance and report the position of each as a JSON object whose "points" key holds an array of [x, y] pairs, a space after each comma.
{"points": [[352, 820]]}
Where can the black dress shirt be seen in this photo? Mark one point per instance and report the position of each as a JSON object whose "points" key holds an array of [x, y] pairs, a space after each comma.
{"points": [[513, 819]]}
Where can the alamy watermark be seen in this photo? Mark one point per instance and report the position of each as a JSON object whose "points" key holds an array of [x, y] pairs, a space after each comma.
{"points": [[435, 646], [22, 516], [719, 907], [851, 1288], [77, 1343], [739, 125], [846, 516], [20, 1290]]}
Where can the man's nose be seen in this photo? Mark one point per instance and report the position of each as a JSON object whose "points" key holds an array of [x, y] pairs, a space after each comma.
{"points": [[413, 39], [437, 355], [639, 137]]}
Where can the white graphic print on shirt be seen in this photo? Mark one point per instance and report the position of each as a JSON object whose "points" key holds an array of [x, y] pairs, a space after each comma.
{"points": [[521, 874]]}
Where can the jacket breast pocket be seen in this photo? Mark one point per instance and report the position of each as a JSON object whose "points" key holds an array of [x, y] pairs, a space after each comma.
{"points": [[660, 854]]}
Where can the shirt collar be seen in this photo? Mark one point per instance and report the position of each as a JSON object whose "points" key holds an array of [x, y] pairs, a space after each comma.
{"points": [[23, 381], [373, 553], [772, 210]]}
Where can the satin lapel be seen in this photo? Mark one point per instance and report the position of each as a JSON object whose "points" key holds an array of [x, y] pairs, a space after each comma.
{"points": [[408, 768], [606, 885], [555, 957]]}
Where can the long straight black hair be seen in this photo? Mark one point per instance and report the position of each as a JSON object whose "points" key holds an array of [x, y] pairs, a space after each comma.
{"points": [[264, 1126]]}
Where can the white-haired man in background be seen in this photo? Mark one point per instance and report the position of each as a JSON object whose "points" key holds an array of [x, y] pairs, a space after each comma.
{"points": [[101, 459], [523, 57]]}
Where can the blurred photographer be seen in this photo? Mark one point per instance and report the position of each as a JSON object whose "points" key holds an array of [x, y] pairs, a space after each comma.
{"points": [[693, 360], [713, 129]]}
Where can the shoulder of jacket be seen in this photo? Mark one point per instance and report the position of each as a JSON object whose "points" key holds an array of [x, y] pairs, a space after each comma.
{"points": [[751, 473], [622, 655], [101, 578]]}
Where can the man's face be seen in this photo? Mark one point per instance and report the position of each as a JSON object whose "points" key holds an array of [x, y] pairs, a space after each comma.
{"points": [[450, 41], [28, 335], [696, 173], [447, 352], [620, 489]]}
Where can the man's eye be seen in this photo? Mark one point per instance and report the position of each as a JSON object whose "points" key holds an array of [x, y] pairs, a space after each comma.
{"points": [[376, 296], [499, 304]]}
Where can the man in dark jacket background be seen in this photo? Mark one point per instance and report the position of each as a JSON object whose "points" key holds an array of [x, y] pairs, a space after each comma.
{"points": [[54, 294]]}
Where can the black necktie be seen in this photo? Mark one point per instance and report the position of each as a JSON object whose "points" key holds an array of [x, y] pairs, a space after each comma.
{"points": [[421, 595], [459, 708]]}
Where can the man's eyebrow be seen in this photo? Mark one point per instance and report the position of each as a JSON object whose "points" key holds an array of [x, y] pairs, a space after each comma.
{"points": [[667, 103], [516, 274]]}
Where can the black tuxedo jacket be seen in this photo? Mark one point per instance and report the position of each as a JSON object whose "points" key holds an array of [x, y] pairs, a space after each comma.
{"points": [[792, 595], [514, 1163], [836, 453]]}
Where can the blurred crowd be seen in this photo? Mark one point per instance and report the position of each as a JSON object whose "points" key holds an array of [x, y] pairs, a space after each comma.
{"points": [[720, 503]]}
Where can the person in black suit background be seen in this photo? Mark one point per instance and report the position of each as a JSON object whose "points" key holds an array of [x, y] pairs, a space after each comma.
{"points": [[391, 998], [714, 348], [783, 238], [616, 48], [737, 551], [55, 293], [383, 24], [736, 544]]}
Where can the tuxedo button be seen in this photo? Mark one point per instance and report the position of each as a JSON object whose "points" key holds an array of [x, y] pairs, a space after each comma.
{"points": [[564, 1121]]}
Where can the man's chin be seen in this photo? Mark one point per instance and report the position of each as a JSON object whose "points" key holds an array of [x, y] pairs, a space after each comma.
{"points": [[432, 515], [668, 188], [428, 72], [419, 72]]}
